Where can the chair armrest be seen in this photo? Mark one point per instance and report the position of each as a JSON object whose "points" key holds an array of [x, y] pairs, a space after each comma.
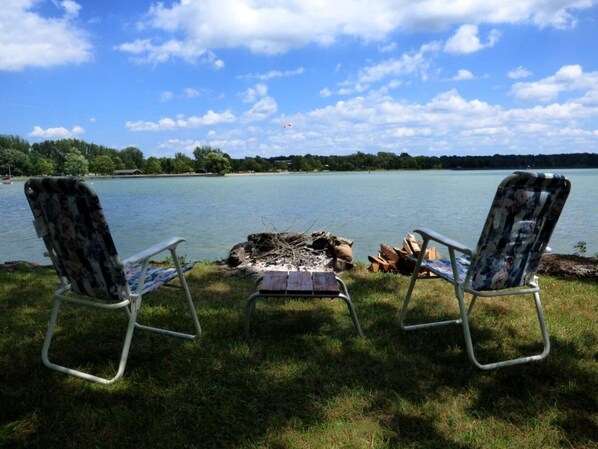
{"points": [[428, 234], [153, 250]]}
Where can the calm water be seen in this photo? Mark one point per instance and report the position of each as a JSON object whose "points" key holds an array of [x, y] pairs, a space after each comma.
{"points": [[214, 214]]}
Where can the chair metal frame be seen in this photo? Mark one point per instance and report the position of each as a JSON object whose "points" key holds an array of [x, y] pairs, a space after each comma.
{"points": [[462, 284], [129, 299]]}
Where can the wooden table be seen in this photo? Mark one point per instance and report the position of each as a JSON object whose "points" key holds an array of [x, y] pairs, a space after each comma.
{"points": [[300, 284]]}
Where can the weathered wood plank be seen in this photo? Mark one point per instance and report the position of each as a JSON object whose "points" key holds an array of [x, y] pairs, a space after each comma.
{"points": [[325, 282], [300, 282], [274, 282]]}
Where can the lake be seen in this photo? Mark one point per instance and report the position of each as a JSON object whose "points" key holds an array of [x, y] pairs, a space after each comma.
{"points": [[215, 213]]}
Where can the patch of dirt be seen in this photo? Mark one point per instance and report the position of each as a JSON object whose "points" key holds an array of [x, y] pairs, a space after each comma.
{"points": [[569, 266]]}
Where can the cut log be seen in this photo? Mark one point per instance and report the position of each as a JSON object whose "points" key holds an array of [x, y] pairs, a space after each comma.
{"points": [[388, 253], [382, 263], [413, 244], [374, 267]]}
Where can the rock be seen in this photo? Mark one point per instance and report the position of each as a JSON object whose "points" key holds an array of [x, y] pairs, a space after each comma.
{"points": [[343, 252], [343, 241], [239, 254]]}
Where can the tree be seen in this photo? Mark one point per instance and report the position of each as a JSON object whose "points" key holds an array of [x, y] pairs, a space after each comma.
{"points": [[102, 165], [216, 163], [118, 163], [19, 162], [182, 163], [43, 167], [14, 142], [153, 166], [132, 157], [200, 153], [75, 163]]}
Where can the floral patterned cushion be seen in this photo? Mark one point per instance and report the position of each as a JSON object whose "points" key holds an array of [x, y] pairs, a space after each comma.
{"points": [[154, 277], [523, 215], [443, 268]]}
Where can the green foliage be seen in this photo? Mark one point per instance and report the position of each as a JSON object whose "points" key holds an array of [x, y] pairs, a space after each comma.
{"points": [[182, 163], [216, 163], [43, 167], [153, 166], [132, 158], [24, 157], [102, 165], [75, 163], [580, 248], [19, 162]]}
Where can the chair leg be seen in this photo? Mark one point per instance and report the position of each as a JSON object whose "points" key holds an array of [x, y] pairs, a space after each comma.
{"points": [[190, 305], [81, 374], [516, 361], [403, 315]]}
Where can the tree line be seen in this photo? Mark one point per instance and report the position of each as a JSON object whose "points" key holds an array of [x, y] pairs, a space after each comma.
{"points": [[77, 157]]}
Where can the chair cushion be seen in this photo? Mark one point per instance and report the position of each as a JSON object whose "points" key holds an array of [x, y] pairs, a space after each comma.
{"points": [[443, 268], [154, 277]]}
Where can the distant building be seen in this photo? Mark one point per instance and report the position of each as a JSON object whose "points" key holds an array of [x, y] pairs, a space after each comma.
{"points": [[128, 172]]}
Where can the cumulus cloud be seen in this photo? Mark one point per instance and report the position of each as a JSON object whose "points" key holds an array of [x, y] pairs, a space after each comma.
{"points": [[466, 40], [253, 93], [261, 110], [56, 133], [166, 96], [568, 78], [28, 39], [267, 27], [182, 122], [274, 74], [446, 122], [408, 63], [463, 74], [518, 73], [189, 92]]}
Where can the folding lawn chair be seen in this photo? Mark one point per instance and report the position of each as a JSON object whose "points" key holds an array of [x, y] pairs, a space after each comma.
{"points": [[69, 218], [523, 215]]}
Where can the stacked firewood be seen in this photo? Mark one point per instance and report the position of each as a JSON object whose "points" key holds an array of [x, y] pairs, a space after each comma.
{"points": [[399, 259]]}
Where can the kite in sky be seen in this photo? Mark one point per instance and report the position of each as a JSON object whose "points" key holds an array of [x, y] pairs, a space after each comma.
{"points": [[287, 125]]}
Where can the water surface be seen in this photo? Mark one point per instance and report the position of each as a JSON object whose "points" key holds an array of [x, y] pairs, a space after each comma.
{"points": [[214, 213]]}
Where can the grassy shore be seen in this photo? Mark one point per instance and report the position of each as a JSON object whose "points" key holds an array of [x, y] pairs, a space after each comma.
{"points": [[303, 379]]}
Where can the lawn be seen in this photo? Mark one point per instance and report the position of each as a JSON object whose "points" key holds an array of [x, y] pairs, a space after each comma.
{"points": [[303, 379]]}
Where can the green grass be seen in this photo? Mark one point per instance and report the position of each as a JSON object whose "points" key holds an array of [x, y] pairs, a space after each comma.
{"points": [[303, 379]]}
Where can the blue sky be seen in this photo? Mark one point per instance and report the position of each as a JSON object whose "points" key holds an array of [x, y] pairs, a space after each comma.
{"points": [[427, 77]]}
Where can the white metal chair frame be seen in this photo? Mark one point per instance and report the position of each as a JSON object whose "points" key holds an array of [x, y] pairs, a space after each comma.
{"points": [[461, 272], [130, 296]]}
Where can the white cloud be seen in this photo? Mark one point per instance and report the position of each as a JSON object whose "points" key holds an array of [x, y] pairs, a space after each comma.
{"points": [[274, 74], [182, 122], [409, 63], [463, 74], [253, 93], [518, 73], [166, 96], [568, 78], [56, 133], [180, 146], [27, 39], [447, 123], [388, 47], [466, 40], [267, 27], [325, 92], [189, 92], [261, 110]]}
